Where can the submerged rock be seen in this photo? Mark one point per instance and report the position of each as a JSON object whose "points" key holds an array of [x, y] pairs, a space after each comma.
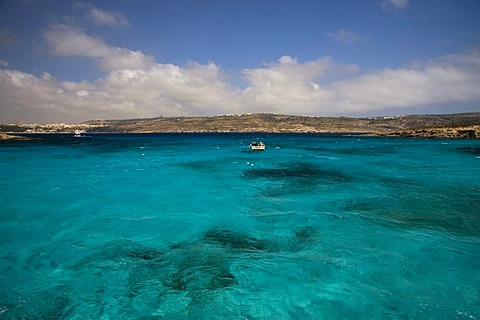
{"points": [[296, 178], [202, 267], [50, 303], [235, 240], [123, 250], [305, 236], [471, 150], [447, 213], [299, 170]]}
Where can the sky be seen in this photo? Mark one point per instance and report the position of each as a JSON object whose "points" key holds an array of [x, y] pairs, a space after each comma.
{"points": [[72, 61]]}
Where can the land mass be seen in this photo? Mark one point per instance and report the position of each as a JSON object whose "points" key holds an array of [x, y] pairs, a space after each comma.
{"points": [[461, 125]]}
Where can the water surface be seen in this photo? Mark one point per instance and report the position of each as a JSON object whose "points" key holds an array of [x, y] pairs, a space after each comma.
{"points": [[181, 226]]}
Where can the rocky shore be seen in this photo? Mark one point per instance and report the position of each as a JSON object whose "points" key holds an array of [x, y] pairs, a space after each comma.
{"points": [[462, 126], [469, 132], [4, 136]]}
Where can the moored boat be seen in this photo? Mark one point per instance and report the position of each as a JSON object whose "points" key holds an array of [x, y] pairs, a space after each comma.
{"points": [[257, 146], [79, 133]]}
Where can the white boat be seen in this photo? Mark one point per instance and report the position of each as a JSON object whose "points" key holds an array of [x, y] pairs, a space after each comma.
{"points": [[79, 133], [257, 146]]}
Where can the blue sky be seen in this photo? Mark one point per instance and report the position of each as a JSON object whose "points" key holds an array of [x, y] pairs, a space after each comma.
{"points": [[70, 61]]}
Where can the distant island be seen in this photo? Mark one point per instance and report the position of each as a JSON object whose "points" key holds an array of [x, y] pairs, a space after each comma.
{"points": [[461, 125]]}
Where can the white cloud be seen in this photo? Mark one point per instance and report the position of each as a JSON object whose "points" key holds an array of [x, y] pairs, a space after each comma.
{"points": [[44, 99], [66, 40], [394, 4], [448, 79], [4, 64], [286, 85], [103, 18], [398, 88], [161, 89], [344, 36], [135, 85], [172, 90]]}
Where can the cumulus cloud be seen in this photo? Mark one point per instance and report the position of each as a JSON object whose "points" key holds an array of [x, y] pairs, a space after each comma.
{"points": [[3, 63], [445, 80], [163, 90], [293, 86], [344, 36], [286, 85], [44, 99], [135, 85], [173, 90], [65, 40], [394, 4]]}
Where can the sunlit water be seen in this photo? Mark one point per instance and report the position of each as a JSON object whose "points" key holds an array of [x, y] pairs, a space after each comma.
{"points": [[197, 226]]}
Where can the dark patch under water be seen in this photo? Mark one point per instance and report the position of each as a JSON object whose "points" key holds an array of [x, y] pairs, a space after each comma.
{"points": [[118, 250], [399, 240], [367, 151], [303, 237], [296, 178], [238, 241], [299, 170], [444, 215], [48, 303], [111, 142], [196, 267], [199, 165], [395, 182], [200, 267], [470, 150]]}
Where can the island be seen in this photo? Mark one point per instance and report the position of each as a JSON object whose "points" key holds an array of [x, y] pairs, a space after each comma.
{"points": [[460, 125]]}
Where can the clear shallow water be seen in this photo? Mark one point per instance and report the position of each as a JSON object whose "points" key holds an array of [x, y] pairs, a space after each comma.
{"points": [[196, 226]]}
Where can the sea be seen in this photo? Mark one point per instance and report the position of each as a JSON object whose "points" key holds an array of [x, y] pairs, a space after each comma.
{"points": [[197, 226]]}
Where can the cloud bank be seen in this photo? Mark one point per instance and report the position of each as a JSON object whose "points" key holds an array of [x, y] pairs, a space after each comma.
{"points": [[135, 85]]}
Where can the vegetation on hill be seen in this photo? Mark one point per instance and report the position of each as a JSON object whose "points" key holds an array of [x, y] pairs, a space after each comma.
{"points": [[463, 125]]}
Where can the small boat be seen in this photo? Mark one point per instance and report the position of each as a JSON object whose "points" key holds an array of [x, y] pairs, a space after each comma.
{"points": [[79, 133], [257, 146]]}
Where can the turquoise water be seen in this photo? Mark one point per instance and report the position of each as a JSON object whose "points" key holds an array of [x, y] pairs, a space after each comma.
{"points": [[198, 227]]}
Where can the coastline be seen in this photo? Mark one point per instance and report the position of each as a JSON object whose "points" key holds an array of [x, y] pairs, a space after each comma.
{"points": [[453, 126], [10, 137]]}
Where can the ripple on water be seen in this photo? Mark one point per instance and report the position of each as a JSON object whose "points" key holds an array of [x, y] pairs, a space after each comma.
{"points": [[197, 228]]}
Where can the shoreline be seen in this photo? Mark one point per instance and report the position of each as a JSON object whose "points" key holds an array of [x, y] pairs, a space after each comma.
{"points": [[434, 133], [12, 137], [451, 126]]}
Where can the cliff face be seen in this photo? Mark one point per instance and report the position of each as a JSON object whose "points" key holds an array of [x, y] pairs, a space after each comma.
{"points": [[464, 125], [461, 132]]}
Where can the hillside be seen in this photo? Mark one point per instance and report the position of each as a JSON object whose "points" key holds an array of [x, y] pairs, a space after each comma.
{"points": [[464, 125], [287, 123]]}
